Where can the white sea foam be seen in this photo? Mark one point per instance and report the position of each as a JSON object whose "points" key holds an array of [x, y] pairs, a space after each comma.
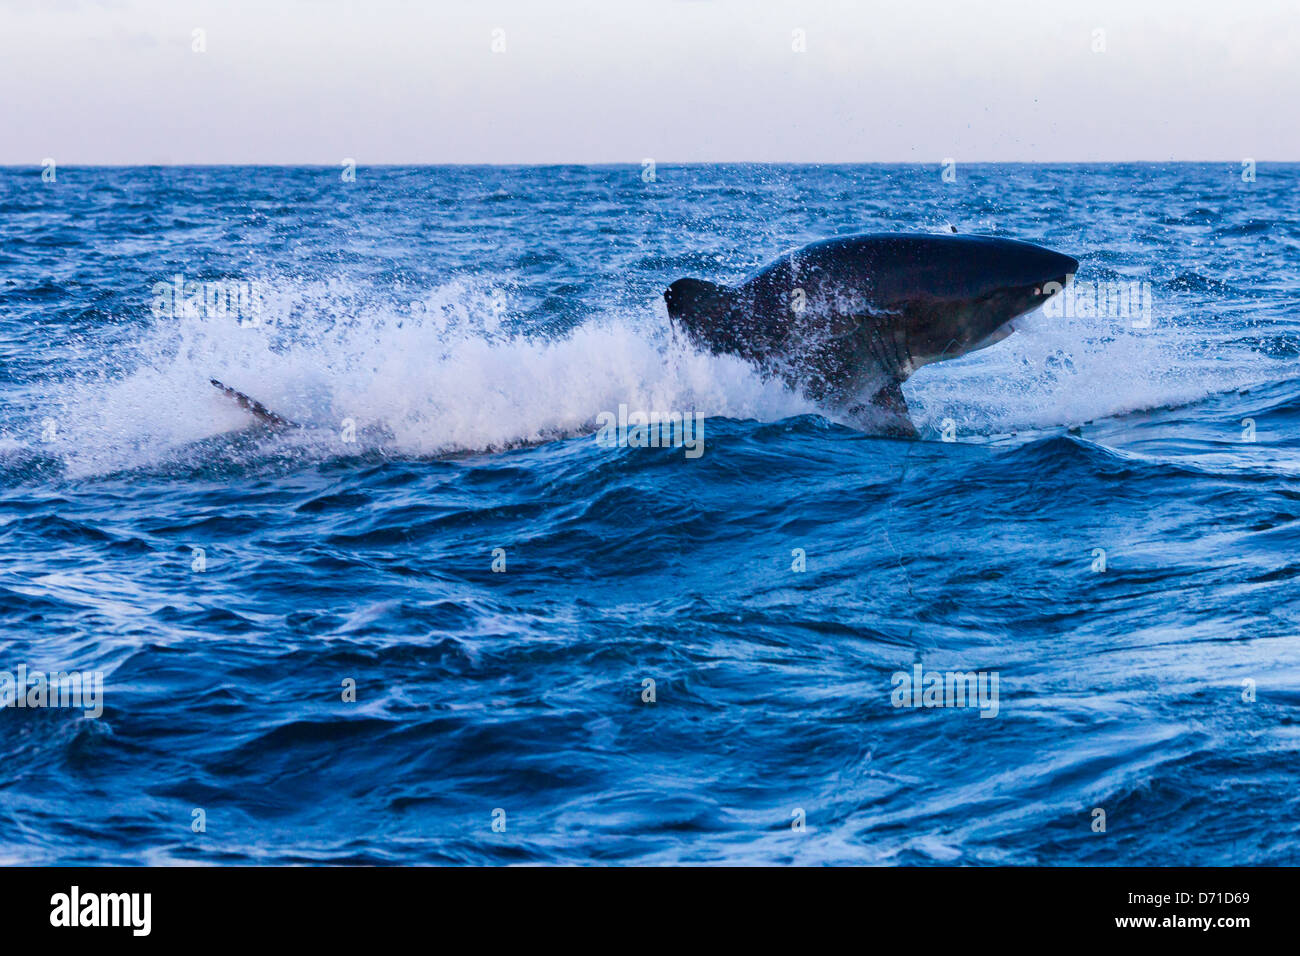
{"points": [[1066, 371], [442, 375], [434, 379]]}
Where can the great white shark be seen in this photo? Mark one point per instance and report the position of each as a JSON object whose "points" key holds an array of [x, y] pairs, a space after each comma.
{"points": [[846, 320]]}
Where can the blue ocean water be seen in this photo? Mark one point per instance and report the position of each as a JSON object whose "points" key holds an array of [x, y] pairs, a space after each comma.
{"points": [[1113, 531]]}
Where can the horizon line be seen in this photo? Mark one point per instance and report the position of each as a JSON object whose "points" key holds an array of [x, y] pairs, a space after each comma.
{"points": [[658, 162]]}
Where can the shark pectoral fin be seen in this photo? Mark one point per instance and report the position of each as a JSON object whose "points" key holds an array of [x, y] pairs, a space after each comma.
{"points": [[254, 407], [890, 397], [885, 413]]}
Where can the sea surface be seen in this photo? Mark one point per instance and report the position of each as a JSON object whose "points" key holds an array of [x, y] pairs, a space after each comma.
{"points": [[422, 627]]}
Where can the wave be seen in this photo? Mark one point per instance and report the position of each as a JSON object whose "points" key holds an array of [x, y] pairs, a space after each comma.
{"points": [[440, 375], [450, 372]]}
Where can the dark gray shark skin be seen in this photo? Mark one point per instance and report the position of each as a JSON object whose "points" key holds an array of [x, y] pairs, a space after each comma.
{"points": [[846, 320]]}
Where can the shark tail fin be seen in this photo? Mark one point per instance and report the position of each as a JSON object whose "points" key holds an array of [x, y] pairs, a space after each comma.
{"points": [[254, 407], [885, 413]]}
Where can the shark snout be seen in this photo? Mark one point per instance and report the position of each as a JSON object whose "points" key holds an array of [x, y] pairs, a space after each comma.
{"points": [[1043, 267], [1010, 267], [1053, 272], [1063, 267], [1058, 276]]}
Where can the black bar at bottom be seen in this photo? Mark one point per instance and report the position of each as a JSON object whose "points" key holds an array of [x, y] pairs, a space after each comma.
{"points": [[338, 905]]}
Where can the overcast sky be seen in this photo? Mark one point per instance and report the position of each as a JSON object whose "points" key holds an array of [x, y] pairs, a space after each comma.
{"points": [[403, 81]]}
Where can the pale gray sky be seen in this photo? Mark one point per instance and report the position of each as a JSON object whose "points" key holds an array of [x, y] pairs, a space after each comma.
{"points": [[401, 81]]}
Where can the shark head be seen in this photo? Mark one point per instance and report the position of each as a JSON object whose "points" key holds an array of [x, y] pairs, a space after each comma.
{"points": [[969, 291]]}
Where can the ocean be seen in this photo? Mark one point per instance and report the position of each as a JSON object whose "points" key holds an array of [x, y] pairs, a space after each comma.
{"points": [[443, 623]]}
